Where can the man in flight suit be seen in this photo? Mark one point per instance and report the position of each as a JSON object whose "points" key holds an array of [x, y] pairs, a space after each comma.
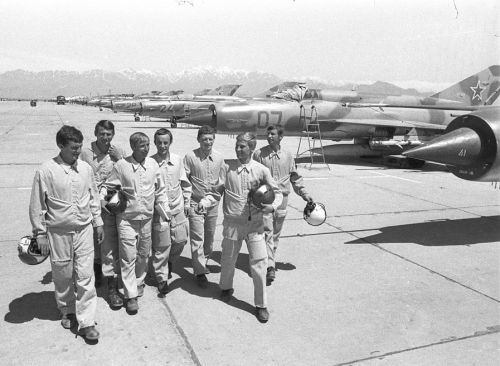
{"points": [[140, 179], [64, 206], [102, 155], [243, 220], [169, 238], [284, 171], [202, 166]]}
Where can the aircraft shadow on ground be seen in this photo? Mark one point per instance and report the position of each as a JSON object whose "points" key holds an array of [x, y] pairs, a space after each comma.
{"points": [[374, 162], [485, 229], [34, 305]]}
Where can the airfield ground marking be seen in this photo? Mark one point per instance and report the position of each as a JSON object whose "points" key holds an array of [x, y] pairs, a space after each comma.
{"points": [[370, 176], [414, 197], [17, 123], [377, 245], [393, 176], [490, 330]]}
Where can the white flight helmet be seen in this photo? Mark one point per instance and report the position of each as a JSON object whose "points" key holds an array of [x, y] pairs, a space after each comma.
{"points": [[264, 194], [315, 213], [116, 200], [29, 252]]}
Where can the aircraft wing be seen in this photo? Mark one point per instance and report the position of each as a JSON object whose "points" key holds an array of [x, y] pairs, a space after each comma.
{"points": [[449, 107], [386, 123]]}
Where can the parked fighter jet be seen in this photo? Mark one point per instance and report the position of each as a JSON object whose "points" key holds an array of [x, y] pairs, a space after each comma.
{"points": [[470, 146], [383, 127], [105, 101], [158, 103]]}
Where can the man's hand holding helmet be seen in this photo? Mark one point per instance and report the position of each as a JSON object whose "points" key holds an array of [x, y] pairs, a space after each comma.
{"points": [[43, 244], [306, 197], [267, 208]]}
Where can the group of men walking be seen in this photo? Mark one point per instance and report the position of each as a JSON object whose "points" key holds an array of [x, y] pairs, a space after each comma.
{"points": [[169, 200]]}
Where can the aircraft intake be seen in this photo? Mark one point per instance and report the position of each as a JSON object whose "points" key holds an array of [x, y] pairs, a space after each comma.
{"points": [[469, 147]]}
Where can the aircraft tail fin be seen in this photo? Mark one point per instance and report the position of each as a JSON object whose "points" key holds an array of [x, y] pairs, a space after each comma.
{"points": [[227, 90], [482, 88]]}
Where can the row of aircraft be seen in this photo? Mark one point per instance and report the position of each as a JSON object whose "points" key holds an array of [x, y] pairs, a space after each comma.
{"points": [[457, 126]]}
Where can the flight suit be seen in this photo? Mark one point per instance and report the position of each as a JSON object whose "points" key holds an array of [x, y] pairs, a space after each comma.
{"points": [[284, 171], [243, 221], [64, 206], [203, 173], [169, 238], [144, 188], [107, 252]]}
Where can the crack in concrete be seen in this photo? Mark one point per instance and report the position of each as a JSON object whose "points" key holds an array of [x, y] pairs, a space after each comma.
{"points": [[488, 331], [433, 272], [181, 332]]}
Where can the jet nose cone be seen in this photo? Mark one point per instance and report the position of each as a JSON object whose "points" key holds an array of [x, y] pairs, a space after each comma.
{"points": [[461, 147]]}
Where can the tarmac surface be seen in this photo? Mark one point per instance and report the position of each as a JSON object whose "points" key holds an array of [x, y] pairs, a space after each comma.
{"points": [[405, 271]]}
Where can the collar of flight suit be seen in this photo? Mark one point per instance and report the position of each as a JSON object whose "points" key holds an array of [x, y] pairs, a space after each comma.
{"points": [[96, 151], [66, 167], [245, 167], [207, 156], [136, 165], [275, 154], [162, 161]]}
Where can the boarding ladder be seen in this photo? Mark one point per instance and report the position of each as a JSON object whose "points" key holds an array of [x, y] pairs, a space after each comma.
{"points": [[312, 132]]}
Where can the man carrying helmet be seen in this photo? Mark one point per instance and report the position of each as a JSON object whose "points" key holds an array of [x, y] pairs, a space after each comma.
{"points": [[140, 179], [101, 156], [64, 206], [283, 169], [238, 179]]}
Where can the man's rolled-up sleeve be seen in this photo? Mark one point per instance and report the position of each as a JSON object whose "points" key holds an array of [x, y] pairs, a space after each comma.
{"points": [[38, 206], [95, 202]]}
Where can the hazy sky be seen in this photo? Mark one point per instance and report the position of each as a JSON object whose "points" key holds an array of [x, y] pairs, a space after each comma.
{"points": [[438, 41]]}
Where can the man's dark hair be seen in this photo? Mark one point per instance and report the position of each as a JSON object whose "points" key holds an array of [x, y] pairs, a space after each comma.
{"points": [[278, 128], [205, 130], [163, 131], [106, 124], [68, 133]]}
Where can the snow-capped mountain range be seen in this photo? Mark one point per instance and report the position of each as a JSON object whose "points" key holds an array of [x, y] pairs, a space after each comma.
{"points": [[47, 84]]}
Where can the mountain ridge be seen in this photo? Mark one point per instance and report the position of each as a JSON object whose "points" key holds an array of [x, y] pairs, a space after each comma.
{"points": [[47, 84]]}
